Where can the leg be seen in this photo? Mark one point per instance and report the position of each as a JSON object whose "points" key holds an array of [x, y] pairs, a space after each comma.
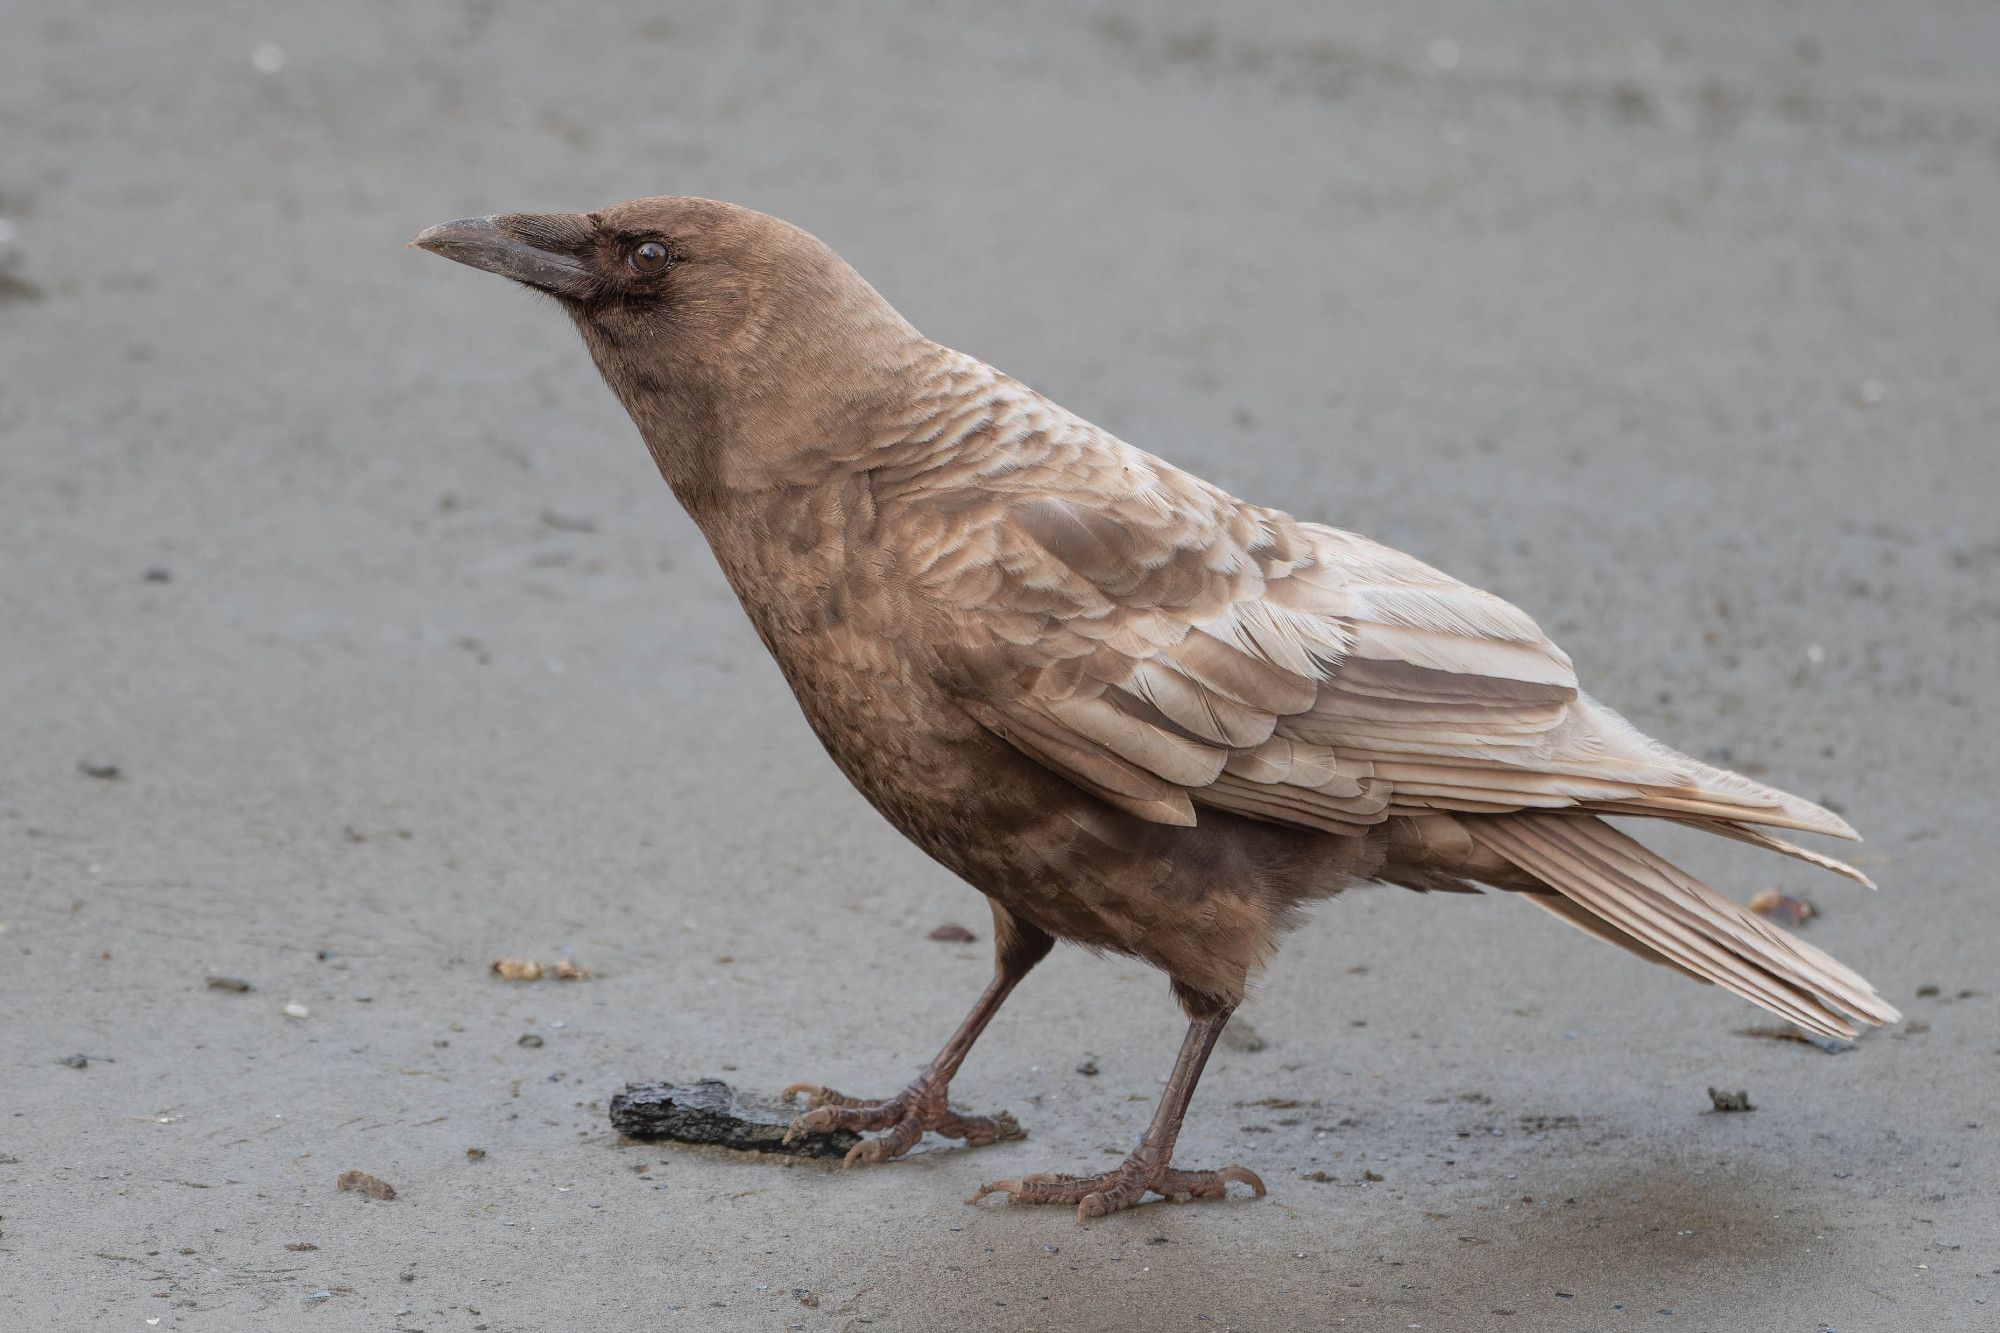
{"points": [[1150, 1167], [1017, 947]]}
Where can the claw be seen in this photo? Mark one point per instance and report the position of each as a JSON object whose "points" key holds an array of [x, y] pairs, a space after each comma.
{"points": [[1243, 1175], [808, 1122], [809, 1089], [868, 1152], [1007, 1187]]}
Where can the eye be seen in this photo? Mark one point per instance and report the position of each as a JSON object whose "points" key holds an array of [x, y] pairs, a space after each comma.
{"points": [[648, 258]]}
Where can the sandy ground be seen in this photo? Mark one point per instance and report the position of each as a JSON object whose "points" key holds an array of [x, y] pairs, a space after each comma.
{"points": [[1678, 328]]}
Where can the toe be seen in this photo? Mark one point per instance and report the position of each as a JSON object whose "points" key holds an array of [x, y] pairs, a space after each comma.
{"points": [[977, 1131], [817, 1121]]}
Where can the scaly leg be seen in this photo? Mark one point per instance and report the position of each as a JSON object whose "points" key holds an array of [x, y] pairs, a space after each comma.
{"points": [[1150, 1167], [1017, 947]]}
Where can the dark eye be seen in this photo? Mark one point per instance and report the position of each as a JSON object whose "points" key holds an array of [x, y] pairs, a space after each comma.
{"points": [[648, 258]]}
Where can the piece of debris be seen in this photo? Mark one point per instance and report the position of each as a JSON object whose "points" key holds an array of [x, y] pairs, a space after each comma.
{"points": [[1088, 1069], [475, 1154], [712, 1112], [527, 969], [301, 1246], [1370, 1175], [809, 1299], [75, 1061], [1927, 991], [1543, 1124], [293, 1009], [159, 574], [952, 933], [237, 984], [102, 772], [1772, 1032], [1783, 908], [1729, 1101], [1240, 1036], [360, 1182], [1317, 1177], [530, 1039]]}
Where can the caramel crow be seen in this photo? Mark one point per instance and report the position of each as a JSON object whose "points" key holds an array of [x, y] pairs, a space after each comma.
{"points": [[1135, 712]]}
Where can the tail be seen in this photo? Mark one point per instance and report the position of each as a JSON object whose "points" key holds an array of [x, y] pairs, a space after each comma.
{"points": [[1621, 891]]}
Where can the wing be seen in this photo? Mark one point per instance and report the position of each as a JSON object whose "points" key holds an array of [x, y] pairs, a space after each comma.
{"points": [[1168, 647]]}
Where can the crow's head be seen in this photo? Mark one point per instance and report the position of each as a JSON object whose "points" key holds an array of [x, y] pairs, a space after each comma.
{"points": [[697, 312]]}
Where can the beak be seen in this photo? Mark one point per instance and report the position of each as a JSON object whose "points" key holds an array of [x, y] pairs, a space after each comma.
{"points": [[527, 247]]}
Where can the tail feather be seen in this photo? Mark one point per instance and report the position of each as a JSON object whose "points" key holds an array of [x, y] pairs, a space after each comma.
{"points": [[1608, 880], [1771, 842], [1590, 924]]}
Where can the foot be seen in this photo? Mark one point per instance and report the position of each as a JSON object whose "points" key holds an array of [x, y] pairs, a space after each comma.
{"points": [[1115, 1191], [905, 1116]]}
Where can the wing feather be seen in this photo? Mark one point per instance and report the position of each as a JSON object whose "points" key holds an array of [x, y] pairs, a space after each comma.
{"points": [[1167, 647]]}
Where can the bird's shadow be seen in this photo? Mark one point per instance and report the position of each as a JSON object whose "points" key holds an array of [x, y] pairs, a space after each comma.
{"points": [[1628, 1238]]}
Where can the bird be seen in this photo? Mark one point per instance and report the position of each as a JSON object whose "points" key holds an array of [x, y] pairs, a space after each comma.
{"points": [[1133, 711]]}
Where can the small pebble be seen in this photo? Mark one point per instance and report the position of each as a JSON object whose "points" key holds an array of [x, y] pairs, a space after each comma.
{"points": [[1783, 908], [364, 1184], [529, 1039], [952, 933], [1729, 1101], [293, 1009]]}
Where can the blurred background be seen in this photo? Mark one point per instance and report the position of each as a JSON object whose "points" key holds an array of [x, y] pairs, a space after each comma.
{"points": [[348, 642]]}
